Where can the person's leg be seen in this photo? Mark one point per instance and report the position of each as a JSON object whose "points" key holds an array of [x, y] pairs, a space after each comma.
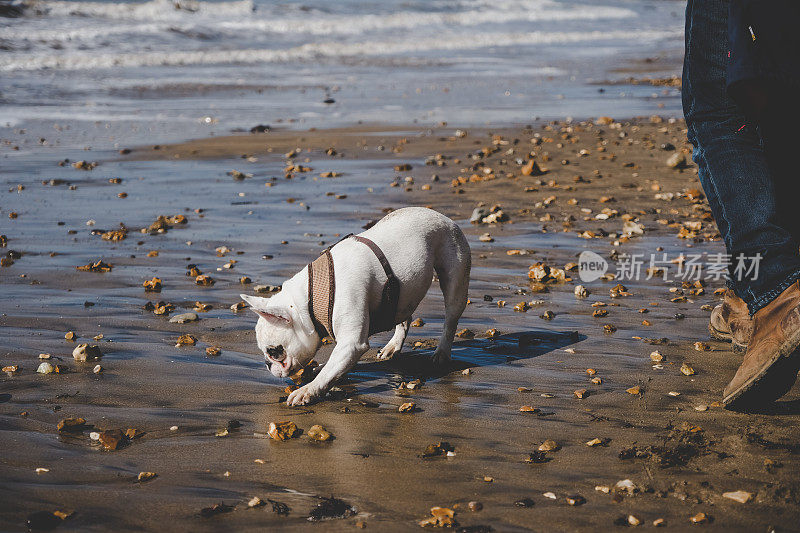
{"points": [[736, 177], [733, 167]]}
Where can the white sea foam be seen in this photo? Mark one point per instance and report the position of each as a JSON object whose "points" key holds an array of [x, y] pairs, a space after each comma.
{"points": [[151, 10], [159, 17], [311, 51]]}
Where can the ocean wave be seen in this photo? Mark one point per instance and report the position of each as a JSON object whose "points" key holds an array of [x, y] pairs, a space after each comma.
{"points": [[323, 50], [228, 20], [150, 10]]}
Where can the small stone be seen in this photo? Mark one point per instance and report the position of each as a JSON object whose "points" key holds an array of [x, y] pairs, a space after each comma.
{"points": [[173, 428], [625, 485], [111, 439], [699, 518], [407, 407], [528, 409], [488, 479], [71, 424], [549, 446], [633, 521], [701, 407], [84, 352], [70, 336], [417, 323], [580, 394], [740, 496], [687, 370], [605, 489], [659, 522], [676, 160], [183, 318], [238, 306], [97, 369], [255, 501], [581, 291], [475, 506], [282, 430], [213, 351], [45, 368], [702, 346], [550, 495], [11, 369], [594, 442], [319, 433], [674, 394], [636, 390], [656, 356], [186, 340], [152, 285], [42, 470], [575, 500], [144, 477]]}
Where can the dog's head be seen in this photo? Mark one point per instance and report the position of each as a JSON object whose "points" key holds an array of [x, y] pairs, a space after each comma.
{"points": [[286, 346]]}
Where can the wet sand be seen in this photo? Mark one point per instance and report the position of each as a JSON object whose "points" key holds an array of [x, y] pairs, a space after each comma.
{"points": [[681, 452]]}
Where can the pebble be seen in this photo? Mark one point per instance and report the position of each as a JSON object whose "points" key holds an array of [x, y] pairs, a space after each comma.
{"points": [[45, 368], [97, 369], [659, 522], [183, 318], [84, 352], [581, 291], [633, 521], [625, 485], [550, 495], [676, 160], [42, 470], [687, 370], [699, 518], [319, 433], [255, 501], [282, 430], [594, 442], [740, 496], [475, 506], [144, 477], [549, 446], [407, 407], [486, 238]]}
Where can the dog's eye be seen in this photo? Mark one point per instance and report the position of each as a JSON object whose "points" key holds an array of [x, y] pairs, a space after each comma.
{"points": [[276, 353]]}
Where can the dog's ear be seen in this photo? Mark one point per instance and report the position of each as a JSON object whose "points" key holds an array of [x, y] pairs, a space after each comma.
{"points": [[274, 314]]}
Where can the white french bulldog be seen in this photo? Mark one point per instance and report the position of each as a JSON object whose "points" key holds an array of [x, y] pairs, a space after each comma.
{"points": [[416, 242]]}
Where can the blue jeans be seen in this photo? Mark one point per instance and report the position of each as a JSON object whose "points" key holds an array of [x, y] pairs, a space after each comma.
{"points": [[733, 166]]}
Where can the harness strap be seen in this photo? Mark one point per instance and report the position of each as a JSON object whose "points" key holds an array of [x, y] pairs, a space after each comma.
{"points": [[322, 288], [384, 318]]}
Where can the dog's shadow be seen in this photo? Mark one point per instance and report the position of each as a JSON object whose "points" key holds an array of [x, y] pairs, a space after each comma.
{"points": [[477, 352]]}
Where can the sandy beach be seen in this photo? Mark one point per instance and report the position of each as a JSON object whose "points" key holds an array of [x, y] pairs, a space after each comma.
{"points": [[647, 441]]}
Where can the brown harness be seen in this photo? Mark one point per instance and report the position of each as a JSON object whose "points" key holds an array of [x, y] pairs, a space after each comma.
{"points": [[322, 287]]}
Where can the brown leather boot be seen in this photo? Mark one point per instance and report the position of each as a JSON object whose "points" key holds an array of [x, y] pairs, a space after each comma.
{"points": [[770, 366], [731, 322]]}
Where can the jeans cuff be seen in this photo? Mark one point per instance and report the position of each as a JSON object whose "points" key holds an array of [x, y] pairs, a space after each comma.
{"points": [[762, 300]]}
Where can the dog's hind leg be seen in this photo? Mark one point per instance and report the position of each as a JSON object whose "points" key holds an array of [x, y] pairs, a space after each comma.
{"points": [[395, 344], [453, 273]]}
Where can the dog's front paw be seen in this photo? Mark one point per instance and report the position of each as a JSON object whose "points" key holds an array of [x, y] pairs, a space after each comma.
{"points": [[303, 396], [388, 351]]}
